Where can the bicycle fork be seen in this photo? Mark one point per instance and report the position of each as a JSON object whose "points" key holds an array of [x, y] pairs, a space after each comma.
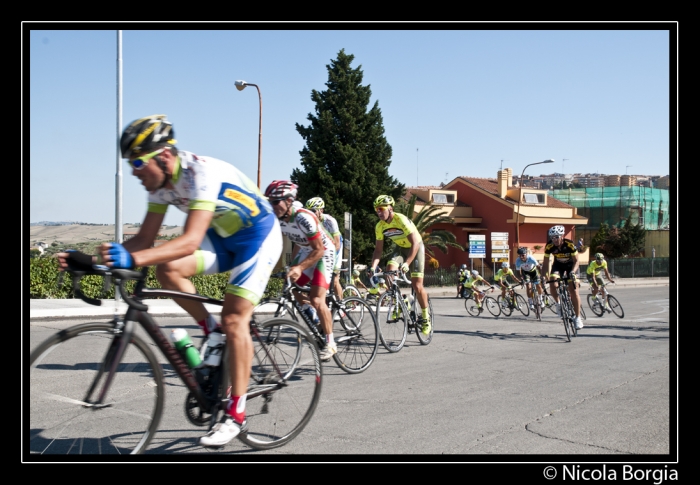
{"points": [[122, 336]]}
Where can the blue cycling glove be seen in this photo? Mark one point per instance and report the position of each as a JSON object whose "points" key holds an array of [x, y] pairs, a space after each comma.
{"points": [[121, 258]]}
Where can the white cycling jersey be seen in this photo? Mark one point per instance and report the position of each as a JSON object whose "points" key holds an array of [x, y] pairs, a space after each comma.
{"points": [[304, 226], [207, 183], [528, 265]]}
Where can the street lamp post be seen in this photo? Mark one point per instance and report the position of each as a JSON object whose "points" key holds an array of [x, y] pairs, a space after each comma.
{"points": [[241, 85], [520, 196]]}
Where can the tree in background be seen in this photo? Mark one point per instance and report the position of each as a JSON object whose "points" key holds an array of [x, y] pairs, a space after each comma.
{"points": [[619, 242], [346, 156]]}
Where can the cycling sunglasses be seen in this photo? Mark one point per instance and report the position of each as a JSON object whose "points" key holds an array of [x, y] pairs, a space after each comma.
{"points": [[140, 162]]}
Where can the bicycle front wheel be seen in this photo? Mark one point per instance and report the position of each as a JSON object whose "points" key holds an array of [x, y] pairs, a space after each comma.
{"points": [[522, 304], [492, 306], [285, 384], [615, 306], [549, 303], [64, 418], [423, 338], [392, 319], [505, 306]]}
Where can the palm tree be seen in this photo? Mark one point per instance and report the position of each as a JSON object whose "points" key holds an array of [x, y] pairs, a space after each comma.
{"points": [[441, 239]]}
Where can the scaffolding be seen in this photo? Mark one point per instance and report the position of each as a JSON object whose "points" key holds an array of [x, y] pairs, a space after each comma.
{"points": [[613, 205]]}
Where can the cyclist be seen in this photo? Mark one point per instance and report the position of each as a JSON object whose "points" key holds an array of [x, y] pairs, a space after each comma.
{"points": [[472, 279], [357, 281], [316, 205], [501, 277], [565, 262], [595, 278], [230, 226], [410, 253], [378, 286], [461, 276], [528, 268], [313, 257]]}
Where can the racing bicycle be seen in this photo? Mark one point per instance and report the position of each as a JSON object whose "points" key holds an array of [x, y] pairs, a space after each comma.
{"points": [[513, 301], [98, 388], [489, 302], [597, 303], [398, 314], [355, 326]]}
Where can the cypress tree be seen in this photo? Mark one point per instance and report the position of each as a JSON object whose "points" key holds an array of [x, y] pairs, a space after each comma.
{"points": [[346, 156]]}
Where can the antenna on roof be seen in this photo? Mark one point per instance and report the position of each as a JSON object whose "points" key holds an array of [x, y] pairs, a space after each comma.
{"points": [[446, 174], [416, 167], [502, 163]]}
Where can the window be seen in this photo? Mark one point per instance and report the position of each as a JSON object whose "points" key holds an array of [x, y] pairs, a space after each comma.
{"points": [[443, 198], [533, 198]]}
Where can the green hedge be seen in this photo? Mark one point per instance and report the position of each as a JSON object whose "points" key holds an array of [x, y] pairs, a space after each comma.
{"points": [[44, 282]]}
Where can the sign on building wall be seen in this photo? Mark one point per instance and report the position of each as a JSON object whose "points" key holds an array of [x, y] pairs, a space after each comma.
{"points": [[477, 246], [500, 250]]}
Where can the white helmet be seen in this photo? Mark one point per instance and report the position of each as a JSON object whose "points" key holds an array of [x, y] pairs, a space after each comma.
{"points": [[381, 281], [505, 265], [475, 272], [556, 231], [464, 266]]}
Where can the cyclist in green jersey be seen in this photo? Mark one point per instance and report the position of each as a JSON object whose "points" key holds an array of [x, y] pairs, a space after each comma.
{"points": [[595, 278], [410, 254]]}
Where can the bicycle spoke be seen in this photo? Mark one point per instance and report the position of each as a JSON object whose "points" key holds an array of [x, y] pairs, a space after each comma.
{"points": [[61, 371]]}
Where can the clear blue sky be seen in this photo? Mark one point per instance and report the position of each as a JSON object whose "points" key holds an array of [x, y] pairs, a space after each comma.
{"points": [[454, 102]]}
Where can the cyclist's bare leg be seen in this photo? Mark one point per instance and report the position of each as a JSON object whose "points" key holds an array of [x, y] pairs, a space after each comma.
{"points": [[174, 276], [421, 294], [235, 320], [553, 288], [317, 298]]}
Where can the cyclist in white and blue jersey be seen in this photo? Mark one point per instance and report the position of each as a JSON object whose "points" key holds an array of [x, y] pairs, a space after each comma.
{"points": [[529, 268], [230, 226]]}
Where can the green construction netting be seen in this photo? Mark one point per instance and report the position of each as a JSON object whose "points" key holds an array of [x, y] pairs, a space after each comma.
{"points": [[612, 205]]}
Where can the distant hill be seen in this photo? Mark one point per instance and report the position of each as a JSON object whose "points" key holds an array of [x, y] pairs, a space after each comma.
{"points": [[71, 233]]}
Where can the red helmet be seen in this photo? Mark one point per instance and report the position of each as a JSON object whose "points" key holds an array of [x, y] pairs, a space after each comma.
{"points": [[281, 189]]}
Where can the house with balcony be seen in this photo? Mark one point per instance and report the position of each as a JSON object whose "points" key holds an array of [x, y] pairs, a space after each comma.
{"points": [[496, 209]]}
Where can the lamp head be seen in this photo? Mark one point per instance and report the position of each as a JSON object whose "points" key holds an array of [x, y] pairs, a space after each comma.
{"points": [[240, 85]]}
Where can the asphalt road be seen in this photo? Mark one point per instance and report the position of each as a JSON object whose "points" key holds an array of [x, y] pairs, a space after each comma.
{"points": [[485, 389]]}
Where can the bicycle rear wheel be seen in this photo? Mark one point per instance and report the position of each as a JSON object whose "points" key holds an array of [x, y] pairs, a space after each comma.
{"points": [[615, 306], [357, 336], [492, 306], [505, 306], [595, 306], [423, 338], [391, 317], [522, 304], [471, 307], [284, 390], [63, 368]]}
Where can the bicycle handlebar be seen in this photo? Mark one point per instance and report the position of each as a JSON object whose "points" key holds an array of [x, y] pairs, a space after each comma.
{"points": [[400, 276], [121, 276]]}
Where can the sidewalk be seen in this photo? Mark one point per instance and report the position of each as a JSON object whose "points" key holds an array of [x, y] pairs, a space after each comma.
{"points": [[69, 308]]}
